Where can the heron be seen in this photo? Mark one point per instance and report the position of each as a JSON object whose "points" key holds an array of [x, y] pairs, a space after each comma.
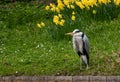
{"points": [[81, 46]]}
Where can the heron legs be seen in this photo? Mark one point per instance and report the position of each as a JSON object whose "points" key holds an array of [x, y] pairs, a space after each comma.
{"points": [[80, 63], [85, 60]]}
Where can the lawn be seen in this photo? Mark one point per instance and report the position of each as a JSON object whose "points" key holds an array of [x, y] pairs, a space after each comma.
{"points": [[27, 50]]}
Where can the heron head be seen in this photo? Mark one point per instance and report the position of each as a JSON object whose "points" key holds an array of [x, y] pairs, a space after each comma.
{"points": [[74, 32]]}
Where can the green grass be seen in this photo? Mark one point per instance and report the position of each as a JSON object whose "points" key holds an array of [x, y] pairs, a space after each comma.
{"points": [[27, 50]]}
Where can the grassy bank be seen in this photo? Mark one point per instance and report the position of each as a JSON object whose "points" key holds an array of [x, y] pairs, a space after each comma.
{"points": [[27, 50]]}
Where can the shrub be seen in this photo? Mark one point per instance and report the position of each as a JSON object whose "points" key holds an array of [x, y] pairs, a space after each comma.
{"points": [[70, 13]]}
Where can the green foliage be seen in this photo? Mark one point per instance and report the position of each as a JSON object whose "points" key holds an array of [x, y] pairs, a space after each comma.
{"points": [[26, 49], [35, 53], [107, 12], [20, 14], [104, 12]]}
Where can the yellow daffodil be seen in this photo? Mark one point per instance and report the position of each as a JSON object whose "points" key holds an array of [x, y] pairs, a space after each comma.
{"points": [[42, 24], [117, 2], [47, 7], [52, 5], [56, 19], [61, 23], [60, 6], [94, 12], [87, 7], [59, 15], [73, 18], [103, 1], [66, 2], [57, 9], [78, 3], [58, 1], [53, 9], [73, 13], [93, 3], [72, 6], [39, 26], [68, 6], [72, 1], [62, 20]]}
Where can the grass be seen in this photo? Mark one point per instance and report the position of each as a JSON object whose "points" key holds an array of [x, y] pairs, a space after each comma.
{"points": [[27, 50]]}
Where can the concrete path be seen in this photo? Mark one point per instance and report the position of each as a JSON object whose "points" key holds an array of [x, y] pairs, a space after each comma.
{"points": [[60, 79]]}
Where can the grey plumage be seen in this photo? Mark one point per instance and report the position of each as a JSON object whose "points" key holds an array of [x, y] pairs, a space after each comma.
{"points": [[81, 46]]}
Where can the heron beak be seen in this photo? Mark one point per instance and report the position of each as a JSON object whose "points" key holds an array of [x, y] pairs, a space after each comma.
{"points": [[70, 33]]}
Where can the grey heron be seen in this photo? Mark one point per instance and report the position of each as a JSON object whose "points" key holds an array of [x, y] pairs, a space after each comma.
{"points": [[81, 46]]}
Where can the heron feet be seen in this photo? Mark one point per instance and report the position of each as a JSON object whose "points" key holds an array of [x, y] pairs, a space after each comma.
{"points": [[80, 68], [87, 67]]}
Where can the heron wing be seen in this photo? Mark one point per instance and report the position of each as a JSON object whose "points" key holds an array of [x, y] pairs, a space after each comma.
{"points": [[78, 44], [87, 45]]}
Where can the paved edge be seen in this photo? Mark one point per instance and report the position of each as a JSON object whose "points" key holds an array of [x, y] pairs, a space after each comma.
{"points": [[60, 78]]}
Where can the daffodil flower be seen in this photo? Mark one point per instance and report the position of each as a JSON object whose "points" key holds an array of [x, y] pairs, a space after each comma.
{"points": [[39, 26], [94, 12], [72, 6], [60, 15], [47, 7], [73, 13], [42, 24], [73, 18]]}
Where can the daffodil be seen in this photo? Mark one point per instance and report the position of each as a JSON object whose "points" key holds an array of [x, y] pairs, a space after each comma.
{"points": [[47, 7], [73, 18], [61, 23], [59, 15], [68, 6], [94, 12], [78, 3], [72, 6], [56, 19], [117, 2], [60, 5], [53, 9], [52, 5], [66, 2], [73, 13], [62, 20], [39, 26], [42, 24], [72, 1], [103, 1], [57, 9]]}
